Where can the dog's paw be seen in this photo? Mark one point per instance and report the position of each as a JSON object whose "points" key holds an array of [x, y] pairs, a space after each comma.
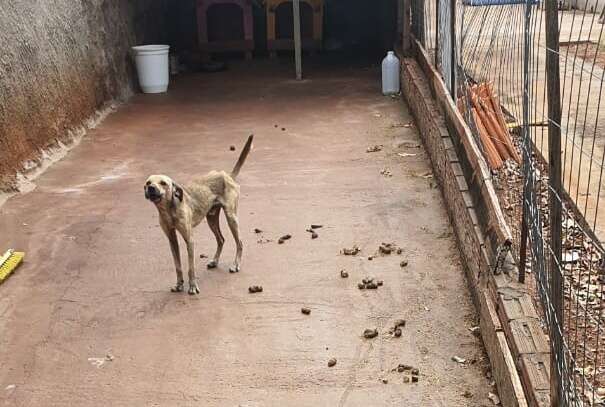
{"points": [[178, 288], [193, 289], [212, 264], [234, 269]]}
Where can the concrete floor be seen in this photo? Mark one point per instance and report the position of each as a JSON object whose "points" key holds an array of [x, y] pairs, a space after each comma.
{"points": [[98, 269]]}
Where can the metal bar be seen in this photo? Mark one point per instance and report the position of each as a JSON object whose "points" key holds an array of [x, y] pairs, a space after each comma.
{"points": [[454, 63], [297, 39], [526, 141], [554, 170]]}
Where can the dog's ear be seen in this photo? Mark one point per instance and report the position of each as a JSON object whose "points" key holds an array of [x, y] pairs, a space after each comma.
{"points": [[177, 192]]}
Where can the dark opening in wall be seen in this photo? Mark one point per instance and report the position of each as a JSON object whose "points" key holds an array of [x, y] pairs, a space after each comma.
{"points": [[360, 25], [225, 22], [284, 27]]}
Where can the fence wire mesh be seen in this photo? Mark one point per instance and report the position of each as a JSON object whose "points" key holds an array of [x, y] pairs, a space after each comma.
{"points": [[495, 59]]}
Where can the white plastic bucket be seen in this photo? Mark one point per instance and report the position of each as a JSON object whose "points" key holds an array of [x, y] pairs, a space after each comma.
{"points": [[390, 74], [152, 67]]}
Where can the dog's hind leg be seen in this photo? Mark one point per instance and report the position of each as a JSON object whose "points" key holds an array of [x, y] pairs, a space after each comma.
{"points": [[234, 226], [214, 224], [176, 256]]}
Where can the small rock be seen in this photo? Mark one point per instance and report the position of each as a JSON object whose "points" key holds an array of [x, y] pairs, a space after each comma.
{"points": [[475, 330], [404, 263], [379, 283], [494, 398], [374, 149], [400, 369], [255, 289], [283, 129], [367, 280], [317, 226], [458, 359], [351, 252], [397, 333], [385, 381], [314, 235], [109, 357], [415, 371], [385, 248], [370, 257], [276, 126], [257, 230], [406, 379], [203, 256], [232, 148], [399, 323], [332, 362], [467, 394], [305, 310], [414, 379], [399, 250], [361, 286], [372, 286], [370, 333], [284, 238], [344, 274]]}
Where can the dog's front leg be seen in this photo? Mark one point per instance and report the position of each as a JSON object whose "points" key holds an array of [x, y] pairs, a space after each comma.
{"points": [[193, 287], [176, 256]]}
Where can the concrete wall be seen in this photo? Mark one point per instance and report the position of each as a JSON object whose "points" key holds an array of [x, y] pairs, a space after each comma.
{"points": [[60, 61]]}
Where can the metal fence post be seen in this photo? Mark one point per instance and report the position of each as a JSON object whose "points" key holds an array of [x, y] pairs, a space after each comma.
{"points": [[554, 172], [526, 144], [437, 38], [454, 64]]}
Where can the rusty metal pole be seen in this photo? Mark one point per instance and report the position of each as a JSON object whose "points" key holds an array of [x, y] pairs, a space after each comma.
{"points": [[554, 179]]}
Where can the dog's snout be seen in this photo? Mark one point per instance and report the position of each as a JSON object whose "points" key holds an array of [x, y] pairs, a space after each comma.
{"points": [[152, 193]]}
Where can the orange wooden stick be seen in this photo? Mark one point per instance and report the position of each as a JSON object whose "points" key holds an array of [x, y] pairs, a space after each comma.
{"points": [[492, 156]]}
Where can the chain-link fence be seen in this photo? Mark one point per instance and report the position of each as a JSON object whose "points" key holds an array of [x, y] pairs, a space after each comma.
{"points": [[528, 78]]}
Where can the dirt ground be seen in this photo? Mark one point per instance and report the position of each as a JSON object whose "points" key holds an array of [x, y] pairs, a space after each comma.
{"points": [[98, 270]]}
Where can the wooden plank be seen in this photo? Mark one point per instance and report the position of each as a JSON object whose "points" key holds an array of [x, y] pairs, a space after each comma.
{"points": [[518, 307], [527, 337], [503, 366], [535, 375], [489, 317]]}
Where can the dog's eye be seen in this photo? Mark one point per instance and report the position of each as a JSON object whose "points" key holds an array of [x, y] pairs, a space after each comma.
{"points": [[163, 183], [148, 183]]}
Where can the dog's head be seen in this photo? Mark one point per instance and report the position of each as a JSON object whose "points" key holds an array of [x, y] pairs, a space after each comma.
{"points": [[161, 189]]}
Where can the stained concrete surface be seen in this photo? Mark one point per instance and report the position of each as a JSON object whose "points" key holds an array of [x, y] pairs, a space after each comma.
{"points": [[60, 62], [98, 268]]}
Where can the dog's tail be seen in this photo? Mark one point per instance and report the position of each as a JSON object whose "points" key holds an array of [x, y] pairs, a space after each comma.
{"points": [[242, 158]]}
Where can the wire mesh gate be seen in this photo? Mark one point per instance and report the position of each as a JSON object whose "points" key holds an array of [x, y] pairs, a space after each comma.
{"points": [[528, 78]]}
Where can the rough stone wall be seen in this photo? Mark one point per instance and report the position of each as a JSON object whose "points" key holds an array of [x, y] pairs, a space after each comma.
{"points": [[60, 61]]}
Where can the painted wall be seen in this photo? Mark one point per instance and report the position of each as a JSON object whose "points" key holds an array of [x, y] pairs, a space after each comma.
{"points": [[60, 61]]}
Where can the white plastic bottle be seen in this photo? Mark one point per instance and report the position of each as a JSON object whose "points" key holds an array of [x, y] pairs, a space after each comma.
{"points": [[390, 74]]}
